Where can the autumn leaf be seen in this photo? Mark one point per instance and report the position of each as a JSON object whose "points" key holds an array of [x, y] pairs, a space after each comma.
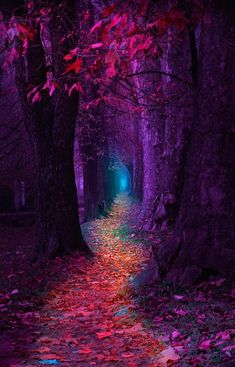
{"points": [[167, 355], [178, 297], [75, 66], [97, 45], [96, 26], [116, 19], [105, 334], [16, 291], [26, 31], [127, 355], [205, 344], [49, 356], [68, 57], [86, 350], [109, 10], [77, 86], [37, 97]]}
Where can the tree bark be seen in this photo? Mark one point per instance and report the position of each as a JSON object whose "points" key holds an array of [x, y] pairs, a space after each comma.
{"points": [[51, 123], [204, 237]]}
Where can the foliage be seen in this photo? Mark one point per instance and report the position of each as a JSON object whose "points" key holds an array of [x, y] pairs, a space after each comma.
{"points": [[127, 33]]}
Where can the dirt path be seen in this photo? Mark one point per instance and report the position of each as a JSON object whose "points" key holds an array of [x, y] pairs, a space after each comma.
{"points": [[90, 319], [77, 312]]}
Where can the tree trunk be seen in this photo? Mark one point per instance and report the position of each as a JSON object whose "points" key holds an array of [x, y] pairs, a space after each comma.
{"points": [[58, 222], [148, 133], [137, 163], [204, 237], [90, 188], [174, 127], [51, 123]]}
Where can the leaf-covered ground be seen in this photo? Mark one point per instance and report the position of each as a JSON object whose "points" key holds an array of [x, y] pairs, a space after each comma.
{"points": [[79, 312]]}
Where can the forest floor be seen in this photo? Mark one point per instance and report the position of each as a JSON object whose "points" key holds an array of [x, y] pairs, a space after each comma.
{"points": [[99, 312]]}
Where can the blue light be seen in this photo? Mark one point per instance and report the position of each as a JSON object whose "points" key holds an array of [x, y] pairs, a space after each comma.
{"points": [[123, 182]]}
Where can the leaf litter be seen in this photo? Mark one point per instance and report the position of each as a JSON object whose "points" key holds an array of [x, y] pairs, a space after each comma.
{"points": [[83, 312]]}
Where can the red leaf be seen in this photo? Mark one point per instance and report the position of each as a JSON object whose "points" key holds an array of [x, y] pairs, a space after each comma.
{"points": [[26, 31], [85, 350], [75, 66], [68, 57], [104, 334], [108, 11]]}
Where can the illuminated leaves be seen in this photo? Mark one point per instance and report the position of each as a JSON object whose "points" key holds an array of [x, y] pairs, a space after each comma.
{"points": [[102, 335], [51, 85], [75, 87], [97, 45], [84, 321], [109, 10], [111, 59], [168, 355], [75, 67], [26, 31], [71, 54], [96, 26]]}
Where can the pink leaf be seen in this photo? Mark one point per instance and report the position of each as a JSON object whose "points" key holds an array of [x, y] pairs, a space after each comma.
{"points": [[205, 345], [175, 334], [96, 26], [228, 348], [37, 97], [181, 312], [97, 45], [76, 86], [178, 297], [168, 355], [116, 19]]}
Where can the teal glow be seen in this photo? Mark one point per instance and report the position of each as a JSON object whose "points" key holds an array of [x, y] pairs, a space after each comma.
{"points": [[123, 182]]}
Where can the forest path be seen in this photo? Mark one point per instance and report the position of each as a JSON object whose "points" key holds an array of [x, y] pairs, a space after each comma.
{"points": [[91, 319]]}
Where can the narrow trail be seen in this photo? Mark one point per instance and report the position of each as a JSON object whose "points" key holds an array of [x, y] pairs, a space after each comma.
{"points": [[91, 319]]}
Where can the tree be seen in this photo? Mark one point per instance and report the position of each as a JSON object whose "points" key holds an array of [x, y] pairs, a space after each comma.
{"points": [[50, 121], [204, 236], [154, 60]]}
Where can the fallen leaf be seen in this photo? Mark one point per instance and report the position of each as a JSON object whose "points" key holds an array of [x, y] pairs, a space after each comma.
{"points": [[177, 297], [16, 291], [175, 334], [205, 345], [85, 350], [166, 355], [127, 355], [104, 334]]}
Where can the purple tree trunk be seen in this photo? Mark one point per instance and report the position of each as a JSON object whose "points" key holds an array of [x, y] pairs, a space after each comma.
{"points": [[203, 241], [51, 124]]}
